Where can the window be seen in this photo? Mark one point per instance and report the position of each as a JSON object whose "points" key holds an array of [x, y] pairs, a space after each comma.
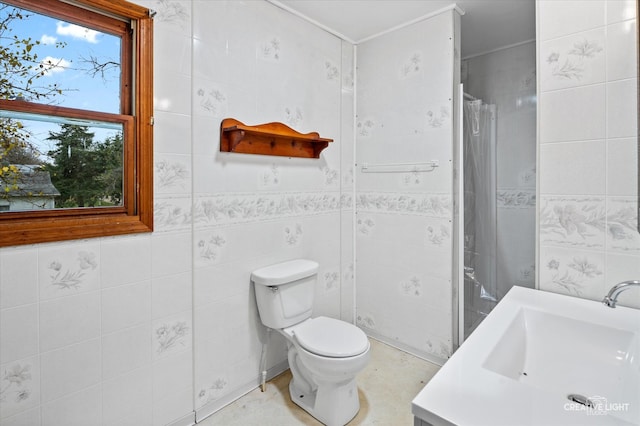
{"points": [[76, 102]]}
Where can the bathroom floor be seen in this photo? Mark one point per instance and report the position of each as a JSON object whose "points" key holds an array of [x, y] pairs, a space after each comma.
{"points": [[386, 387]]}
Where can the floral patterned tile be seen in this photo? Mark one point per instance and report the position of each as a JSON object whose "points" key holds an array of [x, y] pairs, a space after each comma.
{"points": [[172, 174], [573, 221], [209, 247], [172, 214], [70, 270], [211, 100], [411, 65], [437, 205], [574, 272], [574, 60], [19, 386], [622, 224], [251, 207], [172, 13], [365, 127], [171, 335], [516, 198]]}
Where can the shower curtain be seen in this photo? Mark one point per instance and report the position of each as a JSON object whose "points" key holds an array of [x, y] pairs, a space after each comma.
{"points": [[480, 226]]}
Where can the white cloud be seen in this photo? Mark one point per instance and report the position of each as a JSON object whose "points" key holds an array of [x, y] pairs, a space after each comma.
{"points": [[51, 65], [76, 31], [47, 39]]}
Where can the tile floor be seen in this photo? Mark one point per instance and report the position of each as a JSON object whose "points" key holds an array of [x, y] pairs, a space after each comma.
{"points": [[386, 387]]}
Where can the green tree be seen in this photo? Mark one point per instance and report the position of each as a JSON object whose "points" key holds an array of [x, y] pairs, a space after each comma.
{"points": [[15, 150], [110, 154], [97, 167], [87, 173], [20, 71]]}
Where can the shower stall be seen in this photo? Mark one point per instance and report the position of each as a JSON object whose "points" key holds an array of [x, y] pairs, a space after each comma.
{"points": [[496, 186], [479, 218]]}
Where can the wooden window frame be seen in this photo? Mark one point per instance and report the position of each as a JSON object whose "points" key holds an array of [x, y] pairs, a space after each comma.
{"points": [[136, 213]]}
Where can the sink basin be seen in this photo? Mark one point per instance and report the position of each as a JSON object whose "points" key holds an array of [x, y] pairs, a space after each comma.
{"points": [[541, 359]]}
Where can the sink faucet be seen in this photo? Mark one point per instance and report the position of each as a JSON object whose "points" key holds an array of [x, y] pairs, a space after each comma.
{"points": [[612, 297]]}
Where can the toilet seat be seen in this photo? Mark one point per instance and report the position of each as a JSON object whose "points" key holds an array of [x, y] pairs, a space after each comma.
{"points": [[330, 337]]}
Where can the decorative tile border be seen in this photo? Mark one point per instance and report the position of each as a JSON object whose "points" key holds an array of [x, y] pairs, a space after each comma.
{"points": [[622, 232], [346, 201], [226, 209], [573, 221], [516, 198], [436, 205], [172, 214]]}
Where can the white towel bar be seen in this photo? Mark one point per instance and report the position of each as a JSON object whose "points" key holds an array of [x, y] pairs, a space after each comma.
{"points": [[428, 166]]}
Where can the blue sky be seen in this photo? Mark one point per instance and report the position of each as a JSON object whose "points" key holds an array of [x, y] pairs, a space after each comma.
{"points": [[64, 66]]}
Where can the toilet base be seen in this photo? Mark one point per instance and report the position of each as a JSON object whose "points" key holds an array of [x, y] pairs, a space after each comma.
{"points": [[332, 404]]}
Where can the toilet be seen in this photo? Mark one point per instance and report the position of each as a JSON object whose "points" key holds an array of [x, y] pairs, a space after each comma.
{"points": [[325, 354]]}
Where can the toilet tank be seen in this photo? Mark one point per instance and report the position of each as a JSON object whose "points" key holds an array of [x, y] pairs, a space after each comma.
{"points": [[284, 292]]}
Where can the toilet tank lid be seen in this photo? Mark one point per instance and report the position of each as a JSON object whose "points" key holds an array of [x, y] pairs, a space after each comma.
{"points": [[285, 272]]}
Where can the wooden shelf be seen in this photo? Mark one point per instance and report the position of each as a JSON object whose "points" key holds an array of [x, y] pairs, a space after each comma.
{"points": [[269, 139]]}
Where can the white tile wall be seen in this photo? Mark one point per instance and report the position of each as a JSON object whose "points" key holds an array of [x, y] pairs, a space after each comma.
{"points": [[620, 10], [621, 56], [573, 114], [77, 409], [565, 17], [127, 399], [588, 177], [125, 350], [403, 220], [79, 320], [622, 155], [18, 333], [584, 175], [69, 320], [125, 306], [259, 64], [125, 260], [18, 277], [70, 369]]}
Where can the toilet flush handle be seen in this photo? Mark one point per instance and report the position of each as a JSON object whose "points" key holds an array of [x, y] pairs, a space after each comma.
{"points": [[273, 288]]}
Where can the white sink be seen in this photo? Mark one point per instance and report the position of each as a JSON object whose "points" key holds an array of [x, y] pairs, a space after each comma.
{"points": [[532, 352]]}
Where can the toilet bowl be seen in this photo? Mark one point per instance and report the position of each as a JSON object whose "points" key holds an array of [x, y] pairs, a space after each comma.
{"points": [[324, 354]]}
